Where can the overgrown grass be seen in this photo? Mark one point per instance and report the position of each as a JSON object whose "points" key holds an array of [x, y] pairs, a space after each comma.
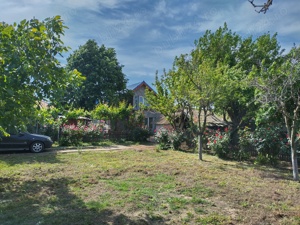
{"points": [[142, 187]]}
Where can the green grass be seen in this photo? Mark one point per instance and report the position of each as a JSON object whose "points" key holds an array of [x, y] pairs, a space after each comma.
{"points": [[142, 187]]}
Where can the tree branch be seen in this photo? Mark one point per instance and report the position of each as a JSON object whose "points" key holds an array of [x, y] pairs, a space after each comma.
{"points": [[263, 8]]}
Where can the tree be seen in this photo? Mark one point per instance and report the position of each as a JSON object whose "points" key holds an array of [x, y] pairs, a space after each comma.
{"points": [[263, 8], [167, 100], [212, 78], [237, 56], [203, 90], [29, 69], [105, 81], [188, 90], [115, 114], [279, 85]]}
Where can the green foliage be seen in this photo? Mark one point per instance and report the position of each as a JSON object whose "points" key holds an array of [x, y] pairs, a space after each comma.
{"points": [[138, 134], [105, 81], [104, 111], [213, 77], [246, 144], [277, 89], [115, 114], [162, 138], [72, 135], [234, 58], [29, 69], [270, 141], [75, 113], [219, 142], [169, 138], [165, 99], [176, 139]]}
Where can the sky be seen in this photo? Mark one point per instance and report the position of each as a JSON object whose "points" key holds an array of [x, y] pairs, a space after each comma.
{"points": [[148, 34]]}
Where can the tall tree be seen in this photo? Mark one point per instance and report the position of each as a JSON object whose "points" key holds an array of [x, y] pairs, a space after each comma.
{"points": [[105, 81], [203, 84], [214, 74], [228, 50], [279, 85], [29, 69], [187, 92]]}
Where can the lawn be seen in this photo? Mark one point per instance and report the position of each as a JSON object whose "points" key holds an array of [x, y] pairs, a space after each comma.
{"points": [[142, 187]]}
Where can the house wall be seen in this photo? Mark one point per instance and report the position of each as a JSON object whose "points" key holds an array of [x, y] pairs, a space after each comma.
{"points": [[151, 117], [138, 94]]}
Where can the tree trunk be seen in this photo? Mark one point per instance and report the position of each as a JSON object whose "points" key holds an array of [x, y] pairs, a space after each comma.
{"points": [[200, 146], [294, 161], [291, 129]]}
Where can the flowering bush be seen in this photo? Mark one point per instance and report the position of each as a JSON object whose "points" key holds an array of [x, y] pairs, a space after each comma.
{"points": [[92, 133], [74, 135], [162, 138], [219, 142], [176, 138], [70, 135], [168, 138]]}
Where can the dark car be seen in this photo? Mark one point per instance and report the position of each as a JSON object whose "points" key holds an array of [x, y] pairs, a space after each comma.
{"points": [[25, 141]]}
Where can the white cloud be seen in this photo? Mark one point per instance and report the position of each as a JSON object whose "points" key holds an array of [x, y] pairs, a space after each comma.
{"points": [[167, 28]]}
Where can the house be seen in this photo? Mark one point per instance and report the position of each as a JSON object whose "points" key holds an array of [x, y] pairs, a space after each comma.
{"points": [[155, 120], [139, 98]]}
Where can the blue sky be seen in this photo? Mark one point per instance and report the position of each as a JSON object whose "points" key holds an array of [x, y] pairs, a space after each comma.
{"points": [[147, 35]]}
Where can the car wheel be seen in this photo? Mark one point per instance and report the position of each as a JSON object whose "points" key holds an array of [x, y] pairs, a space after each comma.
{"points": [[37, 147]]}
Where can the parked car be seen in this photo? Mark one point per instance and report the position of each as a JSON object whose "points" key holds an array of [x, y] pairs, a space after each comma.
{"points": [[25, 141]]}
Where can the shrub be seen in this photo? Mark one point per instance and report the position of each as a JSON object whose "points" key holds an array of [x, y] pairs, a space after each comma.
{"points": [[75, 135], [176, 138], [270, 142], [246, 145], [70, 135], [162, 138], [92, 133], [219, 143], [169, 138], [139, 134]]}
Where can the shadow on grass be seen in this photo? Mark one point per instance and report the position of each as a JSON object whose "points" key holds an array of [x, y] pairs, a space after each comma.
{"points": [[26, 157], [51, 202], [280, 171]]}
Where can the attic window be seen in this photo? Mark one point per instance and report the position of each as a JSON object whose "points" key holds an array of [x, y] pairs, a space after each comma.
{"points": [[141, 100]]}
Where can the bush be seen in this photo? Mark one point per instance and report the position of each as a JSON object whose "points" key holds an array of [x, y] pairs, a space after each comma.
{"points": [[246, 145], [270, 142], [92, 133], [139, 134], [168, 138], [176, 138], [219, 143], [162, 138], [72, 135]]}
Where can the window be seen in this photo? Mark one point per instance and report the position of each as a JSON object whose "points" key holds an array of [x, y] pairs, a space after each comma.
{"points": [[136, 102], [141, 100]]}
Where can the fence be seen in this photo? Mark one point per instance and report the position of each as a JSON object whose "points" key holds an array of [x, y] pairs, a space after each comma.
{"points": [[282, 156]]}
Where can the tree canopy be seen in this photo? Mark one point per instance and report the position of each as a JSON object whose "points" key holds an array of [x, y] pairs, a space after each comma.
{"points": [[29, 69], [215, 77], [105, 81], [278, 85]]}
